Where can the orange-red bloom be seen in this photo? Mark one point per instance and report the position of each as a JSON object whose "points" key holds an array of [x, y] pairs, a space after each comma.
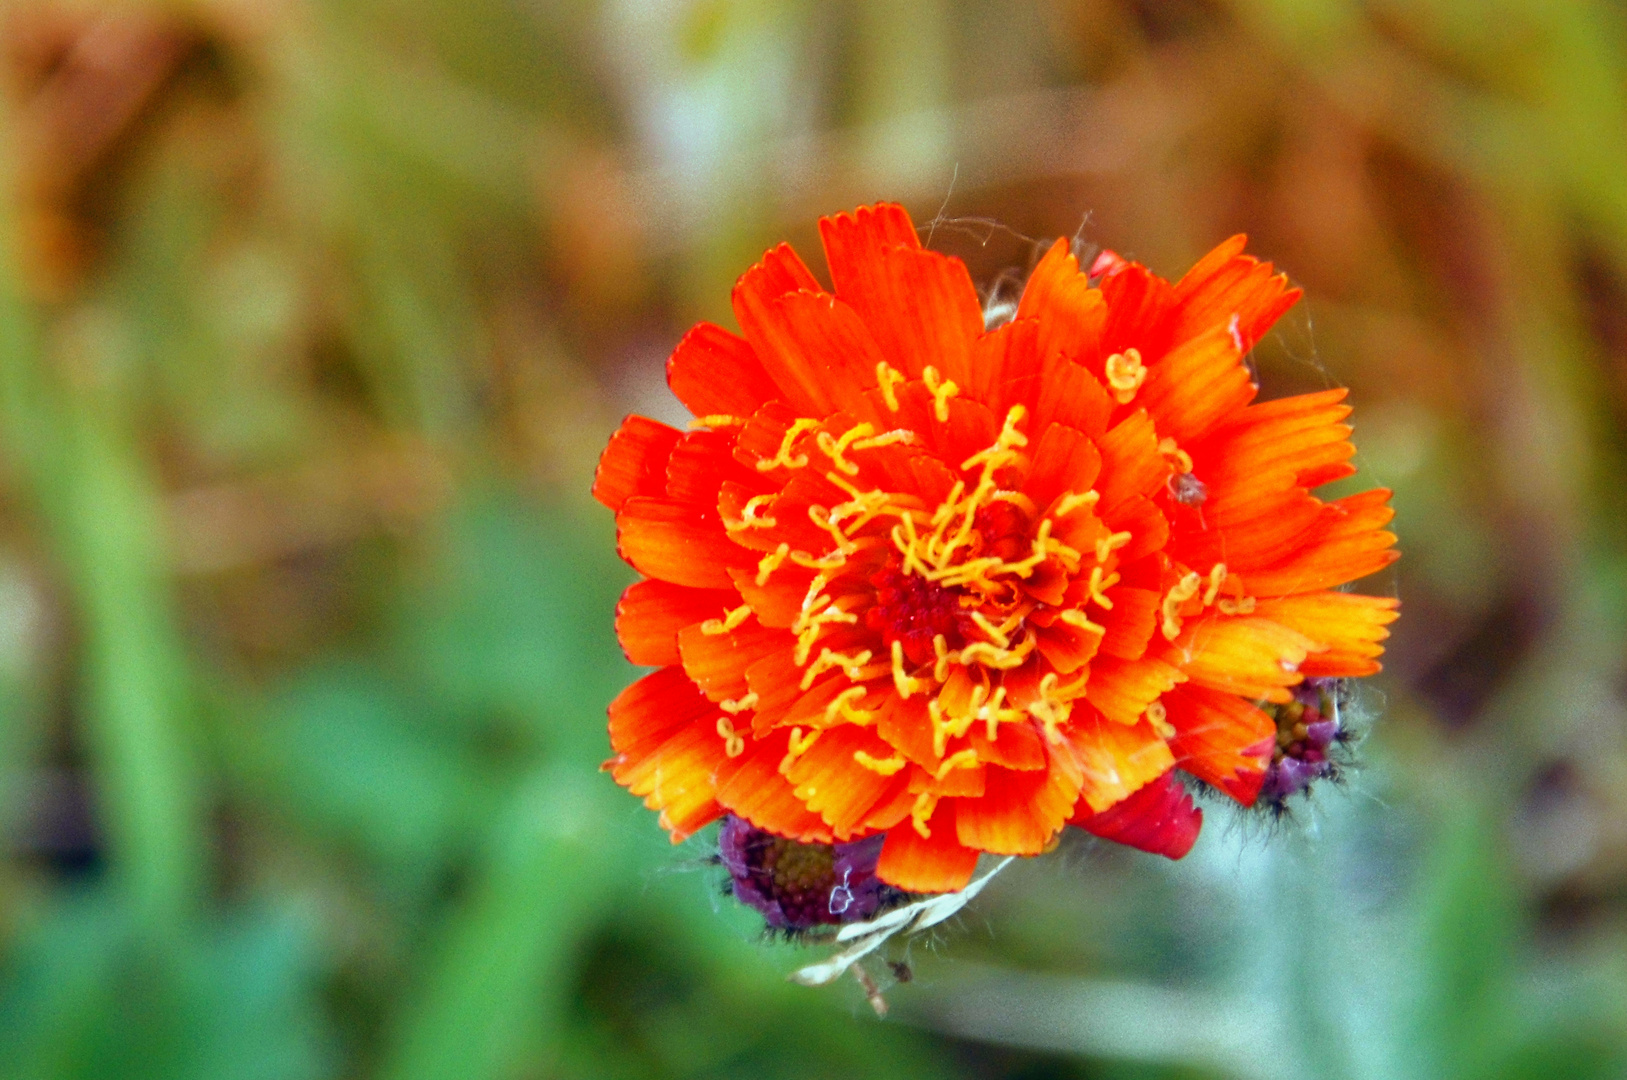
{"points": [[962, 587]]}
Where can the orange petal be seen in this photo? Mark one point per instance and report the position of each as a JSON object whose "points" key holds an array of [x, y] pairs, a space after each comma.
{"points": [[1020, 812], [718, 662], [1069, 394], [834, 785], [779, 273], [635, 462], [651, 613], [1346, 543], [1350, 625], [776, 680], [1130, 624], [907, 729], [1003, 364], [1122, 689], [1198, 384], [1014, 746], [1071, 314], [752, 787], [1221, 739], [675, 542], [935, 864], [1064, 460], [1250, 656], [1066, 647], [920, 306], [822, 340], [1115, 759], [700, 464], [713, 373], [1138, 302], [667, 749], [891, 808], [1225, 285], [1278, 528], [1131, 463], [1272, 447], [1159, 817], [778, 601]]}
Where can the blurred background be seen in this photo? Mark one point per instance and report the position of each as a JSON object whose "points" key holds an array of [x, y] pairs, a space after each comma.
{"points": [[315, 314]]}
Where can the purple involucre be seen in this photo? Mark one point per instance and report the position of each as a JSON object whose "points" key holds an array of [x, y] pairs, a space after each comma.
{"points": [[1303, 759], [800, 886]]}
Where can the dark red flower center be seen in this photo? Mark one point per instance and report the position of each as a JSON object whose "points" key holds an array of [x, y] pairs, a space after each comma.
{"points": [[912, 610]]}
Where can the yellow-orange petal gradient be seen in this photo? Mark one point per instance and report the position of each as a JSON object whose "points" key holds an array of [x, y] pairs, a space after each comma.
{"points": [[965, 587]]}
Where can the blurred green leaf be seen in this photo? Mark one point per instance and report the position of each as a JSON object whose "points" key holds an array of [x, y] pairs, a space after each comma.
{"points": [[88, 995]]}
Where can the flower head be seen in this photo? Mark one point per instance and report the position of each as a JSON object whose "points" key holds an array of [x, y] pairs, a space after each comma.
{"points": [[907, 578]]}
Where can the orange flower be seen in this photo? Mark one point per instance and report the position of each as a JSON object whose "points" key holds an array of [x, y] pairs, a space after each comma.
{"points": [[960, 586]]}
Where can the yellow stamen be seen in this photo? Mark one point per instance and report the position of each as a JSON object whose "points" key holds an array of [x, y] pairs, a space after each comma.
{"points": [[796, 746], [925, 804], [716, 420], [733, 744], [728, 622], [940, 646], [739, 705], [1179, 593], [783, 456], [748, 514], [835, 448], [1158, 717], [828, 659], [940, 727], [990, 629], [842, 708], [1008, 439], [1180, 459], [941, 393], [833, 561], [821, 517], [1109, 544], [961, 759], [982, 652], [1055, 703], [905, 683], [1075, 617], [886, 438], [1125, 374], [770, 563], [1099, 584], [885, 766], [1072, 501], [888, 377], [994, 714], [1217, 577]]}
